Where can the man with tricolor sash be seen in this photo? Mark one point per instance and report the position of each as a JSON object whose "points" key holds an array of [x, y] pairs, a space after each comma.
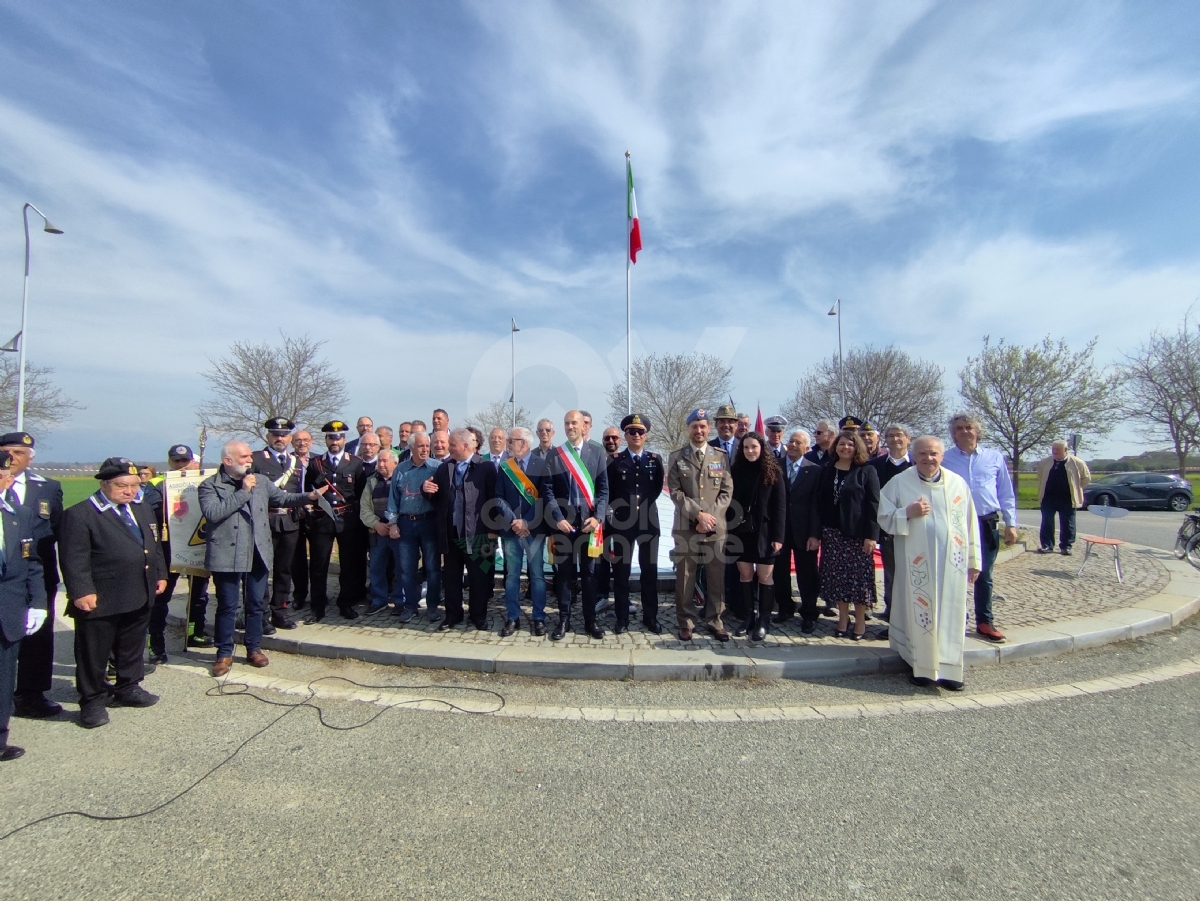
{"points": [[519, 515], [579, 485]]}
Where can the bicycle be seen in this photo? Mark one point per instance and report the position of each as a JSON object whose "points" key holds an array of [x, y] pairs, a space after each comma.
{"points": [[1187, 541]]}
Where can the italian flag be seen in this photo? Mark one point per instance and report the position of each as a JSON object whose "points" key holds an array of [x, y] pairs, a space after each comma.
{"points": [[635, 230]]}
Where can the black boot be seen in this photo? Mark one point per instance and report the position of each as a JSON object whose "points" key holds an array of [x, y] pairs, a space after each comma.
{"points": [[747, 611], [766, 594]]}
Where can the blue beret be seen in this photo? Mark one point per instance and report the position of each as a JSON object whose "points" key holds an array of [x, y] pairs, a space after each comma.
{"points": [[696, 415]]}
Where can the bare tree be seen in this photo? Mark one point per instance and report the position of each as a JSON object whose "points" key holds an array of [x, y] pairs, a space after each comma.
{"points": [[666, 387], [1162, 389], [1028, 396], [45, 404], [257, 381], [498, 415], [883, 385]]}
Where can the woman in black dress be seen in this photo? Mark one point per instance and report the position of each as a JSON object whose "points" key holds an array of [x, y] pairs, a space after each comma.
{"points": [[847, 503], [757, 516]]}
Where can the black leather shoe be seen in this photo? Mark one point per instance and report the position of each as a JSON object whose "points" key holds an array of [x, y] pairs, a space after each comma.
{"points": [[313, 618], [620, 629], [447, 624], [199, 641], [283, 622], [480, 625], [594, 631], [758, 634], [11, 752], [779, 619], [91, 717], [156, 658], [560, 630], [299, 605], [510, 626], [35, 707], [269, 629], [134, 697], [921, 681], [653, 626], [539, 628], [950, 684], [808, 626], [348, 612]]}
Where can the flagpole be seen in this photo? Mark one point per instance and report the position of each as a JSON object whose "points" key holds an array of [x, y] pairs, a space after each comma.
{"points": [[628, 307], [513, 397]]}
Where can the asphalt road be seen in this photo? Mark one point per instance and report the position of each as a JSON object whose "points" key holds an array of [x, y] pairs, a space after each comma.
{"points": [[1093, 797], [1151, 528]]}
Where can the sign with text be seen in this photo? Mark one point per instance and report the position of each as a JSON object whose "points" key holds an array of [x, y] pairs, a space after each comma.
{"points": [[185, 524]]}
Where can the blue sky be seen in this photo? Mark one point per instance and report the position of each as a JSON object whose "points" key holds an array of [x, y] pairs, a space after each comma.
{"points": [[402, 178]]}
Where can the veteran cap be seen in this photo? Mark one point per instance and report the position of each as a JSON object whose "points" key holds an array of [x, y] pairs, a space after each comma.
{"points": [[696, 415], [279, 424], [867, 427], [179, 452], [335, 427], [6, 460], [636, 421], [853, 423], [16, 439], [775, 423], [116, 466], [726, 411]]}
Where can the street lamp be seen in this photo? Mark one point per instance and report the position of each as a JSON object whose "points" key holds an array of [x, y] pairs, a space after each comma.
{"points": [[836, 310], [513, 397], [18, 341]]}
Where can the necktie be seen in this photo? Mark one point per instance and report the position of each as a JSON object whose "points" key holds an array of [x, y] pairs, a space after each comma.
{"points": [[10, 495], [521, 463], [130, 523]]}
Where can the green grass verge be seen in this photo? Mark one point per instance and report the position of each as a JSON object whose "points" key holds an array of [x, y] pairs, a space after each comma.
{"points": [[77, 488]]}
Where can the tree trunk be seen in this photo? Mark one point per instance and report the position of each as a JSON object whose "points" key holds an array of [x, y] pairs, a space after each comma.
{"points": [[1182, 454]]}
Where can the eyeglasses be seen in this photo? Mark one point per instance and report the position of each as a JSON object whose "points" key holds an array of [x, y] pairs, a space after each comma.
{"points": [[612, 439], [542, 431], [635, 431]]}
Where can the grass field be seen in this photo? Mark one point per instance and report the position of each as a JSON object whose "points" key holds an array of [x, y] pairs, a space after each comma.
{"points": [[77, 488]]}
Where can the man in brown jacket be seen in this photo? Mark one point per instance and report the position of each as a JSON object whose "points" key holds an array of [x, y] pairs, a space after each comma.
{"points": [[1061, 479], [701, 486]]}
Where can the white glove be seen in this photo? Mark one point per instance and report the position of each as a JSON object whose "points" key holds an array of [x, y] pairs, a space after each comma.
{"points": [[35, 618]]}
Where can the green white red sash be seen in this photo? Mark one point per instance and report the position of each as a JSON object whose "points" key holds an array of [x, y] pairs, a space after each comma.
{"points": [[579, 474], [521, 481]]}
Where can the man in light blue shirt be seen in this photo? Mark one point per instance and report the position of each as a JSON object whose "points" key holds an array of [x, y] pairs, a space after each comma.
{"points": [[986, 471], [411, 519]]}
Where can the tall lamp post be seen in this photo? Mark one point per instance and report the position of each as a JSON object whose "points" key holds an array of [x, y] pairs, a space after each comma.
{"points": [[18, 341], [513, 398], [836, 310]]}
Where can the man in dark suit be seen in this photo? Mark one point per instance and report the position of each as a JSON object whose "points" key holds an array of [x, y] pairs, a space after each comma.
{"points": [[44, 498], [276, 464], [365, 424], [822, 450], [800, 480], [113, 569], [460, 491], [579, 481], [344, 474], [635, 482], [22, 594]]}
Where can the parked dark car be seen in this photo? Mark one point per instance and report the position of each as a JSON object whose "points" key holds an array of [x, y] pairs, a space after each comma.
{"points": [[1140, 491]]}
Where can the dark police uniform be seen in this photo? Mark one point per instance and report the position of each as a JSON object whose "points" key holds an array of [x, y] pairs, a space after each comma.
{"points": [[103, 554], [346, 485], [634, 486], [22, 587], [44, 499], [284, 470]]}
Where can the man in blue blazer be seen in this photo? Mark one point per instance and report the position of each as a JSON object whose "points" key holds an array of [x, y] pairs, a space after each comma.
{"points": [[575, 518], [22, 595], [519, 514]]}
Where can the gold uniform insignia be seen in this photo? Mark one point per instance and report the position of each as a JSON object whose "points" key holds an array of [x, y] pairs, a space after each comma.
{"points": [[44, 509], [26, 547]]}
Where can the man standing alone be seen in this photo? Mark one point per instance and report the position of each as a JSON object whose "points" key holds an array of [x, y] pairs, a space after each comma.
{"points": [[1061, 479]]}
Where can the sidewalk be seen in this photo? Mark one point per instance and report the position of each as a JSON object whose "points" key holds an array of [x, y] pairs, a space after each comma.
{"points": [[1041, 605]]}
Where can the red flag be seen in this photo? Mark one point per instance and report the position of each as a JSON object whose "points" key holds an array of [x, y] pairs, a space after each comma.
{"points": [[758, 422], [631, 214]]}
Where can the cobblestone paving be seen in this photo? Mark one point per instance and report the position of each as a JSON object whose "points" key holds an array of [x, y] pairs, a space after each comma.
{"points": [[1032, 589]]}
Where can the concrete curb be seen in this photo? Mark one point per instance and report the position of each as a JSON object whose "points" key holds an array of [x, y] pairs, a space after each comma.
{"points": [[1179, 600]]}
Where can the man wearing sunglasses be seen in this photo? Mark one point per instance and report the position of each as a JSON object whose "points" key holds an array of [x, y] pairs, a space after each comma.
{"points": [[635, 478]]}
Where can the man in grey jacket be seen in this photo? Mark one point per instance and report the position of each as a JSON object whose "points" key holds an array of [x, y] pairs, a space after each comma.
{"points": [[238, 533]]}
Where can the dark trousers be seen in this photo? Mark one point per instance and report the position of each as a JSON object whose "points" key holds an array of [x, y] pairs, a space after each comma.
{"points": [[808, 581], [474, 556], [229, 590], [989, 540], [352, 555], [570, 557], [120, 637], [197, 608], [887, 550], [1065, 511], [9, 652], [35, 660], [622, 568], [284, 544], [300, 565]]}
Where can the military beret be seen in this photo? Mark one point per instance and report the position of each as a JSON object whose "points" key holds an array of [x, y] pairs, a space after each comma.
{"points": [[726, 411], [116, 466], [775, 423], [335, 427], [637, 420], [853, 423], [867, 427], [279, 424], [16, 439], [696, 415], [6, 460], [179, 452]]}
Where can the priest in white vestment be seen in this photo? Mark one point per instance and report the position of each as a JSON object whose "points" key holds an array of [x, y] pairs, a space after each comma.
{"points": [[930, 512]]}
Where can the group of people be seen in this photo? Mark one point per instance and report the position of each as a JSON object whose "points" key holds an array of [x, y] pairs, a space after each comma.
{"points": [[418, 516]]}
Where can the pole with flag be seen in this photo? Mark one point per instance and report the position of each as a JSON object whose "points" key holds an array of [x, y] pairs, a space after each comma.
{"points": [[634, 234], [512, 399]]}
